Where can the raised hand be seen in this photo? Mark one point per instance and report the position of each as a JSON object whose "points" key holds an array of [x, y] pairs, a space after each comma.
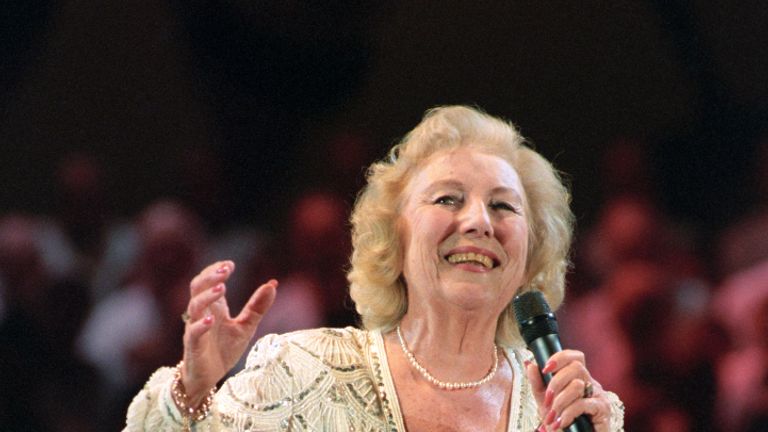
{"points": [[214, 340], [571, 393]]}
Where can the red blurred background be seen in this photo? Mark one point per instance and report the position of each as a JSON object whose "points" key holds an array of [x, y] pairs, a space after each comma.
{"points": [[140, 140]]}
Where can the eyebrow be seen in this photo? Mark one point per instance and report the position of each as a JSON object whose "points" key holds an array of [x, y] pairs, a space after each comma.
{"points": [[444, 184], [459, 185]]}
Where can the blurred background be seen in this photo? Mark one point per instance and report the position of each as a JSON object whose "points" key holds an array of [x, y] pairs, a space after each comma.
{"points": [[141, 140]]}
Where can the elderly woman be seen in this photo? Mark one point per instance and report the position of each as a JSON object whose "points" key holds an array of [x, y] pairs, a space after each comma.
{"points": [[458, 220]]}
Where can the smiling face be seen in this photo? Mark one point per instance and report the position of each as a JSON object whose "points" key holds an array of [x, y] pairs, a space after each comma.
{"points": [[464, 232]]}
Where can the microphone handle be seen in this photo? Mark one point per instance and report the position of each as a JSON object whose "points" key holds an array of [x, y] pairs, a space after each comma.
{"points": [[543, 348]]}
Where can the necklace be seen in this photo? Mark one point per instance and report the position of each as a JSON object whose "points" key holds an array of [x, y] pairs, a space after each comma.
{"points": [[442, 384]]}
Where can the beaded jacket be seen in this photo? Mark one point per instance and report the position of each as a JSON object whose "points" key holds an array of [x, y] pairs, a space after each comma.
{"points": [[318, 380]]}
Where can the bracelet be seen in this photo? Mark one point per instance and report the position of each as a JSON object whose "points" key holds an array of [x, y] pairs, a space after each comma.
{"points": [[181, 399]]}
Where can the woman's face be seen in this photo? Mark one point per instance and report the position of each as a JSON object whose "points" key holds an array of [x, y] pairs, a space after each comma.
{"points": [[464, 231]]}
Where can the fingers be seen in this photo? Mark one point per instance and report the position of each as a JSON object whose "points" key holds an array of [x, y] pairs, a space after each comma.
{"points": [[563, 397], [568, 382], [199, 303], [562, 359], [565, 366], [258, 304], [596, 408], [195, 330], [200, 318], [537, 384], [570, 395], [212, 275]]}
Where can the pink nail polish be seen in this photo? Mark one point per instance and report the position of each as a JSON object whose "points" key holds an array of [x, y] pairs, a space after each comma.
{"points": [[550, 417], [218, 288], [556, 424], [222, 269], [549, 396], [549, 367], [208, 319], [526, 363]]}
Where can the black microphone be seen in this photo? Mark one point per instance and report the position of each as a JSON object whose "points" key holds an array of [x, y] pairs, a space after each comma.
{"points": [[538, 326]]}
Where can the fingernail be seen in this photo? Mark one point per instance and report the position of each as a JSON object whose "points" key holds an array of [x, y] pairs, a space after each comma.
{"points": [[556, 424], [549, 367], [550, 417], [208, 319], [222, 269], [549, 395], [541, 429], [218, 288], [526, 363]]}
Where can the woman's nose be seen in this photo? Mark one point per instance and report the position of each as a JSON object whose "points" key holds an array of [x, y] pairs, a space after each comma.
{"points": [[475, 219]]}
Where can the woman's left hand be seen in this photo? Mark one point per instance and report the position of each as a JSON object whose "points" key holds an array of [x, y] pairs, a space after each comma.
{"points": [[568, 394]]}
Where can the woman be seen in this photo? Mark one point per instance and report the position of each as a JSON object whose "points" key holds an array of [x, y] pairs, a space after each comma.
{"points": [[459, 219]]}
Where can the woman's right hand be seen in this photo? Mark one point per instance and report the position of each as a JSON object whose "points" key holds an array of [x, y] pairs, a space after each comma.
{"points": [[213, 340]]}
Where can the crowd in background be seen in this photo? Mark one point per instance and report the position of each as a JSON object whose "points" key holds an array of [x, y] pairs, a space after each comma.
{"points": [[673, 320]]}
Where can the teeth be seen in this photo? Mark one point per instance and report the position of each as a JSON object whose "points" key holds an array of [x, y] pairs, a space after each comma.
{"points": [[471, 257]]}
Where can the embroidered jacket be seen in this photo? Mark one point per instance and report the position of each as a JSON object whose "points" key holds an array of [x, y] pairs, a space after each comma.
{"points": [[319, 380]]}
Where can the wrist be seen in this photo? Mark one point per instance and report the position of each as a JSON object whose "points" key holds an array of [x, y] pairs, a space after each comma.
{"points": [[194, 389], [194, 406]]}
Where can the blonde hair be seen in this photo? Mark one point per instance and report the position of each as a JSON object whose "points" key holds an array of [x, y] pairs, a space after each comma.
{"points": [[376, 285]]}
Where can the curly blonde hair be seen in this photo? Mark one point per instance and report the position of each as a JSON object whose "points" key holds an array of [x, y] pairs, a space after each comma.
{"points": [[376, 285]]}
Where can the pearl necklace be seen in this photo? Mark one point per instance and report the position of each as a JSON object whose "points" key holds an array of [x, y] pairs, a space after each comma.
{"points": [[447, 385]]}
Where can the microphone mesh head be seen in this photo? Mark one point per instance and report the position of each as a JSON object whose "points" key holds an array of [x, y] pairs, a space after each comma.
{"points": [[529, 305]]}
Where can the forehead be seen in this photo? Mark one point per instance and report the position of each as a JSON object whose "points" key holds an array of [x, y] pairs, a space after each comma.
{"points": [[466, 166]]}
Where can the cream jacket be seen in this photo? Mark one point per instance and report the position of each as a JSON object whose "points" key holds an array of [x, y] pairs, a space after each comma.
{"points": [[316, 380]]}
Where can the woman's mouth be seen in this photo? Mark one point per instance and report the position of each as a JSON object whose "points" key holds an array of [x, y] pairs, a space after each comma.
{"points": [[471, 258]]}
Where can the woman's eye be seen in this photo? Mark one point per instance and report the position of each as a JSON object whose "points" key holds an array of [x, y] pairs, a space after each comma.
{"points": [[501, 205], [447, 200]]}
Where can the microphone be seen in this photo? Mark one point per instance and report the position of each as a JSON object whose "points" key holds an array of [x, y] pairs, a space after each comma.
{"points": [[538, 326]]}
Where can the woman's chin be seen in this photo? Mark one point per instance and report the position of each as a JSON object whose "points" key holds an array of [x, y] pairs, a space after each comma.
{"points": [[472, 297]]}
